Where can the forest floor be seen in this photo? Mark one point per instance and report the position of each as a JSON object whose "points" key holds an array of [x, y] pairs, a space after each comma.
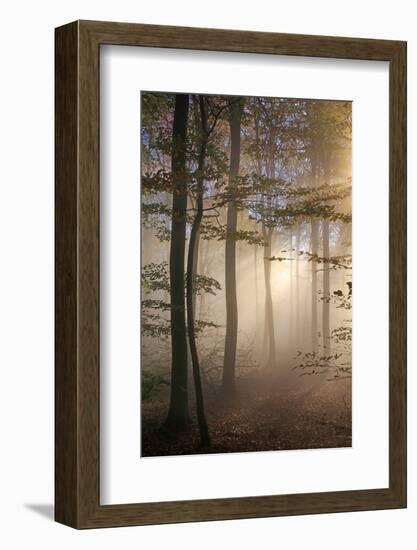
{"points": [[267, 413]]}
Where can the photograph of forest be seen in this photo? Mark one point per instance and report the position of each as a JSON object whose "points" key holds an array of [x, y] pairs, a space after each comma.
{"points": [[246, 274]]}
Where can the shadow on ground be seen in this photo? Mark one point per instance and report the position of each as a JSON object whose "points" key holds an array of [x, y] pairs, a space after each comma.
{"points": [[45, 510]]}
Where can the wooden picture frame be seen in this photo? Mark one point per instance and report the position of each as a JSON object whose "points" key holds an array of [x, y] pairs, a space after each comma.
{"points": [[77, 402]]}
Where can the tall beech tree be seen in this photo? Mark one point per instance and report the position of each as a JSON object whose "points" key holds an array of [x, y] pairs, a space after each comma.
{"points": [[235, 115], [191, 268], [326, 274], [326, 287], [297, 285], [267, 233], [265, 153], [314, 243], [178, 418], [313, 151]]}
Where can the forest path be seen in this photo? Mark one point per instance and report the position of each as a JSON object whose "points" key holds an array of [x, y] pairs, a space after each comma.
{"points": [[266, 414]]}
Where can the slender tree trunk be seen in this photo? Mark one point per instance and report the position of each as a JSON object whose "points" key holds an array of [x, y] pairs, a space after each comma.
{"points": [[291, 291], [269, 312], [307, 309], [265, 344], [177, 418], [314, 251], [297, 286], [192, 253], [203, 254], [269, 308], [255, 271], [195, 264], [146, 245], [230, 255], [202, 260], [326, 289], [326, 269]]}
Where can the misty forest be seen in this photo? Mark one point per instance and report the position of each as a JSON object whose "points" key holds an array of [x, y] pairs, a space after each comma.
{"points": [[246, 274]]}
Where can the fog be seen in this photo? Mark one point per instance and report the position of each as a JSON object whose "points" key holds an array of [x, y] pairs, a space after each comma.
{"points": [[247, 203]]}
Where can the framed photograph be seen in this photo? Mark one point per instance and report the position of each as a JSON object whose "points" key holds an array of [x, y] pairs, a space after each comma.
{"points": [[230, 274]]}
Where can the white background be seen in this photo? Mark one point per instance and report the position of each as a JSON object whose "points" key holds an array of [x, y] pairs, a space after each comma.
{"points": [[126, 478], [26, 275]]}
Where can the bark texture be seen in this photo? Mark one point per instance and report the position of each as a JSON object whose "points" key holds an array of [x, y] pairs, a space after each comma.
{"points": [[230, 253], [191, 264], [177, 418]]}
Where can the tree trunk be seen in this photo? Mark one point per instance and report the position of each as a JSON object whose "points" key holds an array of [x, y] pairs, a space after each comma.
{"points": [[269, 308], [202, 262], [177, 418], [326, 289], [192, 253], [291, 339], [195, 262], [297, 286], [314, 251], [230, 254], [269, 312], [255, 271]]}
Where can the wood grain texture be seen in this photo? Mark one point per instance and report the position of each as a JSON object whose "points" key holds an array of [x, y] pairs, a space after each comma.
{"points": [[66, 237], [78, 285], [398, 272]]}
